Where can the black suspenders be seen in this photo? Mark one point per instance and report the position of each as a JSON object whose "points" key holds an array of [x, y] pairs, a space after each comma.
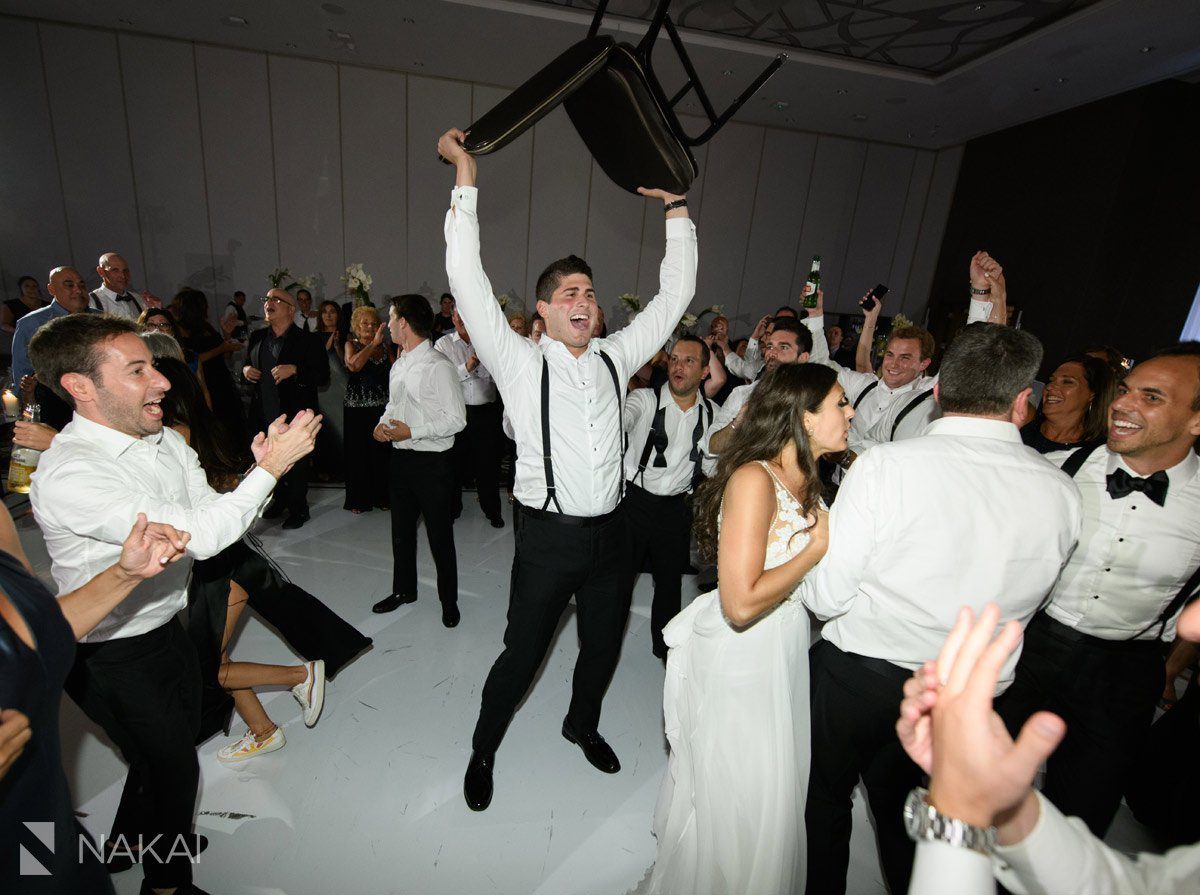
{"points": [[551, 496], [657, 438], [864, 393], [908, 408]]}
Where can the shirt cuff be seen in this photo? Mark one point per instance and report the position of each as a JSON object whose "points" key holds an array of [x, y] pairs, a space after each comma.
{"points": [[816, 322], [979, 310], [258, 484], [465, 197], [418, 432]]}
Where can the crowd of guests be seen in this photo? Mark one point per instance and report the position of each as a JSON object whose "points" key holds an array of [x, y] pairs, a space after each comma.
{"points": [[893, 549]]}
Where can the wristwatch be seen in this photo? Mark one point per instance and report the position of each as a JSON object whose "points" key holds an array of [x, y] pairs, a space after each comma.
{"points": [[925, 823]]}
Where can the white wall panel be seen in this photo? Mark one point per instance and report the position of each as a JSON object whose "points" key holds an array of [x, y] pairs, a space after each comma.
{"points": [[614, 242], [504, 208], [433, 107], [730, 190], [933, 227], [83, 74], [561, 180], [33, 225], [375, 175], [907, 234], [783, 185], [877, 215], [308, 169], [164, 134], [235, 117]]}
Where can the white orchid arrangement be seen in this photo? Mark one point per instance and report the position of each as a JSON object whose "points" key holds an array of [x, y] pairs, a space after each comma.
{"points": [[630, 302], [689, 320], [504, 300], [358, 284]]}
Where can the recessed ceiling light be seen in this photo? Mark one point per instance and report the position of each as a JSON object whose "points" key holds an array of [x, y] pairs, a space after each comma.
{"points": [[841, 91], [780, 105], [333, 9], [979, 7], [727, 72], [909, 135], [1062, 80], [858, 116], [234, 21], [408, 21], [1148, 49]]}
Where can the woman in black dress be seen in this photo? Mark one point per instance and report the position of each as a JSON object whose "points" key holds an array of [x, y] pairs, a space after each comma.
{"points": [[368, 362], [29, 299], [1074, 411], [37, 647], [198, 335]]}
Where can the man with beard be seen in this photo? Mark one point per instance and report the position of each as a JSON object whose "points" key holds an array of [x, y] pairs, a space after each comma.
{"points": [[667, 440]]}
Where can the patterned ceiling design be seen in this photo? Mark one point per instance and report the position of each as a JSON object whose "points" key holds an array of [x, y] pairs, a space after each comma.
{"points": [[934, 36]]}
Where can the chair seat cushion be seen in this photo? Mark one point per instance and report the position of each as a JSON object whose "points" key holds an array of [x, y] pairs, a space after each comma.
{"points": [[542, 93], [626, 129]]}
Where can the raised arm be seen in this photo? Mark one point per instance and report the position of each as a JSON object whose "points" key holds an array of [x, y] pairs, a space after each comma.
{"points": [[503, 351], [639, 341], [989, 294]]}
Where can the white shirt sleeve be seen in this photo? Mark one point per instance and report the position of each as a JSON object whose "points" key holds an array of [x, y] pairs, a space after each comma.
{"points": [[442, 403], [1061, 857], [101, 506], [943, 869]]}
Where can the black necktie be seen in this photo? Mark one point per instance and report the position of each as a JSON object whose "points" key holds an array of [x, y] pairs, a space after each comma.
{"points": [[1120, 484]]}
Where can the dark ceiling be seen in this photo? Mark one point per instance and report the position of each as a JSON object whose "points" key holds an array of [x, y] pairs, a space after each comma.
{"points": [[934, 37]]}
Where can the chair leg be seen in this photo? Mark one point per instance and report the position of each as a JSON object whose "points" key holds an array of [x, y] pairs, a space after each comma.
{"points": [[595, 27]]}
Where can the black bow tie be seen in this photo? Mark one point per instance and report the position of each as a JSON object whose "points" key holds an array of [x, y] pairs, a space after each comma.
{"points": [[125, 297], [1121, 484]]}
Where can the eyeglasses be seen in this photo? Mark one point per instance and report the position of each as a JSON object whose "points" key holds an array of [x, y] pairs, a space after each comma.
{"points": [[160, 325], [272, 299]]}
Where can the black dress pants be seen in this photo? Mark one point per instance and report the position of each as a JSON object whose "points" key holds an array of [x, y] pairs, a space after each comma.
{"points": [[477, 450], [855, 704], [422, 485], [1106, 691], [554, 560], [144, 691], [660, 530]]}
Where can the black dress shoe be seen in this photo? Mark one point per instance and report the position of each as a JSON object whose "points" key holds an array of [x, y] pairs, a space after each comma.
{"points": [[118, 861], [296, 520], [275, 509], [450, 615], [395, 601], [477, 784], [594, 749], [496, 521]]}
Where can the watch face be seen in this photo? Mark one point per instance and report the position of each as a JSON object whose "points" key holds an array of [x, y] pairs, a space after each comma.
{"points": [[915, 814]]}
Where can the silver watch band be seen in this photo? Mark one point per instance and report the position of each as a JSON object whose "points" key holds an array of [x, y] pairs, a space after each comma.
{"points": [[926, 824]]}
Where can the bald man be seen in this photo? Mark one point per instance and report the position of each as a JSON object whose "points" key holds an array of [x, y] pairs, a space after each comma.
{"points": [[113, 295], [70, 296]]}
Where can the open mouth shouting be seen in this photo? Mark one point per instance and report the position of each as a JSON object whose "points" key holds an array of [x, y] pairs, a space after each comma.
{"points": [[1122, 427], [153, 409], [581, 323]]}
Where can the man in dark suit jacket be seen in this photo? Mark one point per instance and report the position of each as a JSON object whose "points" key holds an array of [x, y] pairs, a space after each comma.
{"points": [[286, 366]]}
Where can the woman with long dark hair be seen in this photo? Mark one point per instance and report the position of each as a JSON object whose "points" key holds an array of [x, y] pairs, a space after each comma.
{"points": [[221, 588], [195, 333], [730, 816], [368, 361], [1074, 410]]}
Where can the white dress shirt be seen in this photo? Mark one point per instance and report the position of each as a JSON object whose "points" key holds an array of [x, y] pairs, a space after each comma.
{"points": [[423, 392], [477, 385], [680, 426], [746, 367], [87, 491], [914, 423], [964, 515], [1133, 555], [1058, 857], [585, 421], [110, 305]]}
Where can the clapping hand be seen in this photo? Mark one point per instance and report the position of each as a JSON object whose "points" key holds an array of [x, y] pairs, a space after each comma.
{"points": [[150, 299], [150, 547], [284, 443], [948, 727]]}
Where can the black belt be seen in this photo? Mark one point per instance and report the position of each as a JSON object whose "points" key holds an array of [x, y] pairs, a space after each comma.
{"points": [[656, 498], [564, 519], [1054, 628]]}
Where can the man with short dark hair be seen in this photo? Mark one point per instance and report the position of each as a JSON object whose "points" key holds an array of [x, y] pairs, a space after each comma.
{"points": [[443, 320], [667, 437], [424, 412], [563, 397], [235, 318], [901, 564], [286, 367], [1094, 656], [136, 672]]}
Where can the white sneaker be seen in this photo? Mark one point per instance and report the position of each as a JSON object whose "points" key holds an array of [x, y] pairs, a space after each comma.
{"points": [[250, 746], [311, 694]]}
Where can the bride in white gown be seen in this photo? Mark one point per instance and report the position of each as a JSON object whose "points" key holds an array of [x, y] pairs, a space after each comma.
{"points": [[730, 815]]}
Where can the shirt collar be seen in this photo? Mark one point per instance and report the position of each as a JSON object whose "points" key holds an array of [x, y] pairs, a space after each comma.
{"points": [[105, 291], [548, 344], [899, 390], [975, 427], [1178, 475], [109, 440], [420, 351]]}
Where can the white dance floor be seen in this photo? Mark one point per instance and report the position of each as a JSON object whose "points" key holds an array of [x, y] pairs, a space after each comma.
{"points": [[370, 800]]}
